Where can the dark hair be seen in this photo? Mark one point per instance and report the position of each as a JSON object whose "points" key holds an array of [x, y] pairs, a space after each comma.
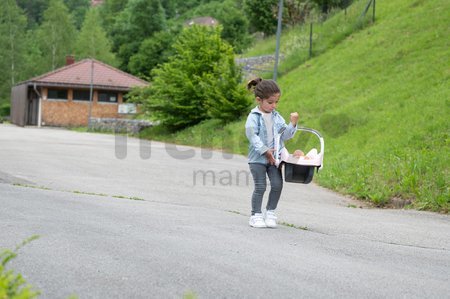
{"points": [[263, 89]]}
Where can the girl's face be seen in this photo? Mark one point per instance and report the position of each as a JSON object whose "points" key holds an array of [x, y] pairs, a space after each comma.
{"points": [[270, 104]]}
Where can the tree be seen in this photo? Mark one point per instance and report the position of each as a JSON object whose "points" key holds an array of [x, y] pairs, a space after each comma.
{"points": [[140, 20], [34, 10], [227, 99], [153, 51], [298, 11], [56, 34], [109, 11], [234, 22], [199, 81], [33, 64], [78, 10], [92, 41], [170, 8], [327, 5], [12, 33], [183, 6], [262, 15]]}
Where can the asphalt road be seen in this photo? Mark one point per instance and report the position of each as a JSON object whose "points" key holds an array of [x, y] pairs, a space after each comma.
{"points": [[122, 218]]}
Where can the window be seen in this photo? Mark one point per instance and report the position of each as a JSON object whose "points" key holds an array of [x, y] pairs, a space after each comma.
{"points": [[107, 97], [81, 95], [57, 94]]}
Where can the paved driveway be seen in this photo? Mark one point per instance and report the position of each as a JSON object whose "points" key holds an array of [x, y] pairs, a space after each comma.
{"points": [[123, 218]]}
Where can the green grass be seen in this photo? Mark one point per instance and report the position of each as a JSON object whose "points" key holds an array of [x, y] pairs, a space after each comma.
{"points": [[80, 192], [293, 226], [381, 98]]}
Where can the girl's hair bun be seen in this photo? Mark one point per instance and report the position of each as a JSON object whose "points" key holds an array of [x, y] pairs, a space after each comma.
{"points": [[252, 83], [263, 89]]}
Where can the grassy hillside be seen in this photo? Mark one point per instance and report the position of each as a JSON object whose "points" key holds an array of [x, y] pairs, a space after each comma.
{"points": [[381, 98], [295, 45]]}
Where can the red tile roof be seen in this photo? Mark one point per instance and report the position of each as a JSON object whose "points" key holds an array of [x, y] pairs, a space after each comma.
{"points": [[79, 74], [208, 21], [96, 2]]}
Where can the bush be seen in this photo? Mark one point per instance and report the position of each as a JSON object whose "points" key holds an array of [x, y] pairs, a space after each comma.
{"points": [[14, 285], [5, 110], [200, 81]]}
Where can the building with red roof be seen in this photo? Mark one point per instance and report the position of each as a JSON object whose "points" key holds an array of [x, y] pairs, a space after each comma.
{"points": [[206, 21], [96, 2], [63, 97]]}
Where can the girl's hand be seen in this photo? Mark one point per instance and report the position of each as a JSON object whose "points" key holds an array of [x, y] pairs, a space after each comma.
{"points": [[294, 118], [269, 156]]}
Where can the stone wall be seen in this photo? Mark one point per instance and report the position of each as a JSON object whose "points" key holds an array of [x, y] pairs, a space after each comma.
{"points": [[254, 66], [119, 125]]}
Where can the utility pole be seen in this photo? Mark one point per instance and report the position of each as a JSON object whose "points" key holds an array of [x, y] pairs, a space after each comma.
{"points": [[310, 39], [277, 49], [373, 13], [91, 93]]}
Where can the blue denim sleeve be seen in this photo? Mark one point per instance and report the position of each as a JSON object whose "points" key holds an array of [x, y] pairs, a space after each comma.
{"points": [[289, 132], [252, 133]]}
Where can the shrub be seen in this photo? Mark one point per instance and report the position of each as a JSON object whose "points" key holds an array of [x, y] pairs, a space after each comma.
{"points": [[5, 110], [200, 81], [14, 285]]}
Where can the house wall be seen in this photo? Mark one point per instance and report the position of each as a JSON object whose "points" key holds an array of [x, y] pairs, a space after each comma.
{"points": [[75, 113], [19, 105]]}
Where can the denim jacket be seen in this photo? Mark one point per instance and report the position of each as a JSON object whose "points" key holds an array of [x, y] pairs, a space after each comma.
{"points": [[256, 131]]}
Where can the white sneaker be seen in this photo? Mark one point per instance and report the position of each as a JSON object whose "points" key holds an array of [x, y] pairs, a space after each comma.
{"points": [[271, 219], [257, 220]]}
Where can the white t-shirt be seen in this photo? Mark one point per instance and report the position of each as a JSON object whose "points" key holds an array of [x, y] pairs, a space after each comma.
{"points": [[268, 121]]}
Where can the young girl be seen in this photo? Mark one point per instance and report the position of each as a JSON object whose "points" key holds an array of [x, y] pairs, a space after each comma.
{"points": [[263, 123]]}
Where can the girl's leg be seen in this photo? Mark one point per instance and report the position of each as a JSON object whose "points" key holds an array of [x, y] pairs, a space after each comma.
{"points": [[276, 185], [259, 178]]}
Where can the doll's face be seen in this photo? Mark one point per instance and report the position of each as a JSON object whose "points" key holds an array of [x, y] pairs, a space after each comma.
{"points": [[270, 104], [298, 154]]}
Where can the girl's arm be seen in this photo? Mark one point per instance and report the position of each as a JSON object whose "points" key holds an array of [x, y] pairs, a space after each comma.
{"points": [[289, 132], [291, 129]]}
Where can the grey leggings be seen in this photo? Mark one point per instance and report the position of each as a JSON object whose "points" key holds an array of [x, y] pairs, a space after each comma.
{"points": [[259, 172]]}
